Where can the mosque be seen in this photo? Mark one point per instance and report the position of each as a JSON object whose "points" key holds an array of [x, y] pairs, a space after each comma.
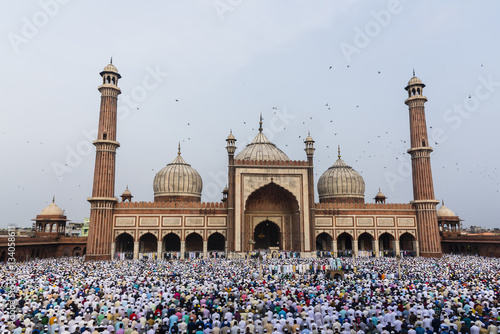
{"points": [[268, 206], [269, 203]]}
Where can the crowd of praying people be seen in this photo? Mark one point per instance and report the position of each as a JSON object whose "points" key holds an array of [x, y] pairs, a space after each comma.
{"points": [[449, 295]]}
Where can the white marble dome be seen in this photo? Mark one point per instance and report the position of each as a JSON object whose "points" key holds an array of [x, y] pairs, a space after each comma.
{"points": [[444, 212], [262, 149], [52, 210], [414, 81], [341, 182], [179, 179], [110, 68]]}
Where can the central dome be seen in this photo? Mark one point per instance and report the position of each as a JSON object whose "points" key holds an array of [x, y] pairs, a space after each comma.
{"points": [[261, 149], [341, 183], [177, 182]]}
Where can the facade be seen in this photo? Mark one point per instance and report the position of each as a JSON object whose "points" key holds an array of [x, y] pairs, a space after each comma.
{"points": [[268, 203]]}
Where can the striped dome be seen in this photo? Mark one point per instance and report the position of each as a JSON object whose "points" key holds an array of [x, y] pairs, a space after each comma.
{"points": [[178, 179], [262, 149], [341, 182]]}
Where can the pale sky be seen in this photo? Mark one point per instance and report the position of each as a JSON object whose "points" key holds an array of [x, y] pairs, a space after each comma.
{"points": [[194, 70]]}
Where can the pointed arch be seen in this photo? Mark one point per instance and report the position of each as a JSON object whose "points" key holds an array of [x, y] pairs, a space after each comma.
{"points": [[216, 242], [148, 243], [407, 244], [171, 242], [344, 244], [272, 197], [324, 242], [267, 234], [365, 244], [386, 241], [194, 242], [124, 243]]}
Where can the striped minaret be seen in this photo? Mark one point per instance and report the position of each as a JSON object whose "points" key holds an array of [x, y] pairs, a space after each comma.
{"points": [[423, 189], [103, 191]]}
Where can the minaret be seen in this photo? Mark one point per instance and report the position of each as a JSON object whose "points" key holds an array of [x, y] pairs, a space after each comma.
{"points": [[103, 192], [423, 189], [310, 181], [231, 148]]}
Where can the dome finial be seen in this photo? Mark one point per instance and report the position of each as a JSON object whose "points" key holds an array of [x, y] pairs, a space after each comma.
{"points": [[339, 152], [413, 72], [53, 198], [179, 151], [442, 202], [260, 123]]}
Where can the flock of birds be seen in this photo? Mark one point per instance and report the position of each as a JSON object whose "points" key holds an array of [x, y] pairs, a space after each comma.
{"points": [[383, 147]]}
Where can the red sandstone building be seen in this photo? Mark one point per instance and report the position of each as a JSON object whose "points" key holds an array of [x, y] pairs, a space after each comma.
{"points": [[268, 204]]}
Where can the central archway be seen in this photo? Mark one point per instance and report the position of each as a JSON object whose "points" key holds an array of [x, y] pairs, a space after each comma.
{"points": [[278, 209], [266, 234]]}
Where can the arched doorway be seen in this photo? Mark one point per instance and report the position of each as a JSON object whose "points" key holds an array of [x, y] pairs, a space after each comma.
{"points": [[148, 243], [386, 244], [323, 242], [124, 243], [344, 244], [266, 234], [407, 244], [216, 242], [171, 243], [77, 251], [194, 243], [272, 200], [365, 245], [66, 251]]}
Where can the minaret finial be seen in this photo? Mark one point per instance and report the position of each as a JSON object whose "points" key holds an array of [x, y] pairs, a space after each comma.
{"points": [[111, 60], [179, 152], [53, 198], [413, 72], [260, 123], [339, 152], [127, 187], [442, 202]]}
